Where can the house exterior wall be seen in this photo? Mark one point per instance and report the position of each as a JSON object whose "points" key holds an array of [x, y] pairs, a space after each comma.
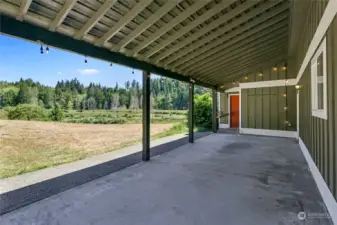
{"points": [[320, 135], [264, 108]]}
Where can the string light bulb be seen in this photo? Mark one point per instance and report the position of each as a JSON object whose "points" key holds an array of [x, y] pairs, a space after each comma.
{"points": [[275, 68], [284, 67], [41, 49], [246, 78], [285, 107], [260, 74], [85, 61], [47, 49], [284, 95]]}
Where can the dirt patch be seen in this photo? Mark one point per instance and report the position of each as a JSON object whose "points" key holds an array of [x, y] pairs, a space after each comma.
{"points": [[27, 145], [22, 135]]}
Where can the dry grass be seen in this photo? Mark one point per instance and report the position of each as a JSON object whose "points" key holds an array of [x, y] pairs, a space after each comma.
{"points": [[28, 145]]}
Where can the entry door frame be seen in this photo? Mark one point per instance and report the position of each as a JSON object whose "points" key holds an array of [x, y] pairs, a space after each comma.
{"points": [[229, 109]]}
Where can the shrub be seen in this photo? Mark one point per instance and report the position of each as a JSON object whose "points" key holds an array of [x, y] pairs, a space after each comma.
{"points": [[27, 112], [57, 113], [203, 110], [91, 120]]}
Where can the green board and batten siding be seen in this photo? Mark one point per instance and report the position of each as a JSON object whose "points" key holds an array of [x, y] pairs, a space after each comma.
{"points": [[263, 108], [320, 135]]}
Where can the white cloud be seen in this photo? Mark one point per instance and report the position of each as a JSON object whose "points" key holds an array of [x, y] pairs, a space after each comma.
{"points": [[59, 73], [88, 71]]}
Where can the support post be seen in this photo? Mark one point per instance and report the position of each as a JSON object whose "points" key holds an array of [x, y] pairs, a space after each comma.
{"points": [[191, 113], [146, 116], [214, 111]]}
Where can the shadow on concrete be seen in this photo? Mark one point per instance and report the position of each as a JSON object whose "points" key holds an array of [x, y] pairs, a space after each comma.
{"points": [[15, 199]]}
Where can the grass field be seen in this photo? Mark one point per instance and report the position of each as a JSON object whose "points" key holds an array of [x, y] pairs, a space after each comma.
{"points": [[27, 146], [117, 116]]}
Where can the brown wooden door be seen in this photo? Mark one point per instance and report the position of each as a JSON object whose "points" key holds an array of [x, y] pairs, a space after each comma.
{"points": [[235, 111]]}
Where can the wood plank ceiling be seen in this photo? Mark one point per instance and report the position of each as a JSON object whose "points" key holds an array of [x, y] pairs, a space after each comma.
{"points": [[215, 41]]}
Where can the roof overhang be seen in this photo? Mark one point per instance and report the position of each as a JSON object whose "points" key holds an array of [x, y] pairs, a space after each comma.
{"points": [[208, 41]]}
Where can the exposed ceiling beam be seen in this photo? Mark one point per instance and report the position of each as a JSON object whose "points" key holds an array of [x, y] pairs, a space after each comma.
{"points": [[279, 49], [249, 67], [168, 6], [68, 5], [34, 19], [169, 26], [181, 50], [276, 47], [216, 23], [215, 10], [256, 67], [227, 46], [140, 6], [95, 18], [255, 59], [253, 68], [261, 38], [31, 32], [226, 40], [24, 6], [239, 57], [244, 54], [245, 44]]}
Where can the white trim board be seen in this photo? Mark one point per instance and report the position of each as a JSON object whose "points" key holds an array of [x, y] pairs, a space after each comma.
{"points": [[223, 125], [231, 90], [269, 83], [326, 194], [265, 132], [326, 20], [219, 106]]}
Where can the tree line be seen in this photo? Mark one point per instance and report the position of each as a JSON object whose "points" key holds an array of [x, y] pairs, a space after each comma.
{"points": [[72, 94]]}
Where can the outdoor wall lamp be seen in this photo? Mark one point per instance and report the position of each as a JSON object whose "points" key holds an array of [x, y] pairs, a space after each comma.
{"points": [[298, 87]]}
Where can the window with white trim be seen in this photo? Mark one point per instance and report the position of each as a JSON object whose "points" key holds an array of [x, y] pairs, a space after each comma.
{"points": [[319, 82]]}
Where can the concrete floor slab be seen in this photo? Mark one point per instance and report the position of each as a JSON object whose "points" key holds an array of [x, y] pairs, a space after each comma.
{"points": [[221, 179]]}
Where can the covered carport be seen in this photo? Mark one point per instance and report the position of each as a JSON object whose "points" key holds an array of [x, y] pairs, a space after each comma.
{"points": [[208, 43], [212, 43]]}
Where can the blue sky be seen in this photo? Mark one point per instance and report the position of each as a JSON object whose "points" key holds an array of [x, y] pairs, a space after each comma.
{"points": [[19, 58]]}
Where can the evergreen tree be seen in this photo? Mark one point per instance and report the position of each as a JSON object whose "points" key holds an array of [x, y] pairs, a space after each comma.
{"points": [[23, 96], [92, 104]]}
